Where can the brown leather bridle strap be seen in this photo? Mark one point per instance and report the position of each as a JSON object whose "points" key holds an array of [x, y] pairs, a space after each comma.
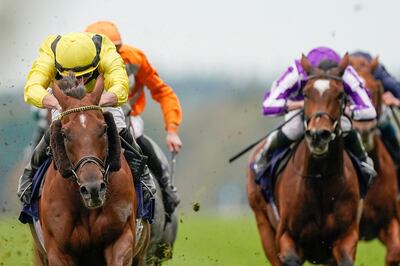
{"points": [[90, 159]]}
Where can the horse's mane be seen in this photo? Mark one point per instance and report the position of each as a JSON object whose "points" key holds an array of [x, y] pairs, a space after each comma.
{"points": [[71, 87]]}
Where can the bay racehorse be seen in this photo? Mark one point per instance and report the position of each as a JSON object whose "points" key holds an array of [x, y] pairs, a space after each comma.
{"points": [[88, 204], [317, 195], [380, 215]]}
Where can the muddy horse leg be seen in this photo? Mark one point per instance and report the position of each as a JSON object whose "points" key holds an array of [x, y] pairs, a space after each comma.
{"points": [[390, 237], [142, 246], [344, 249], [288, 255], [120, 252]]}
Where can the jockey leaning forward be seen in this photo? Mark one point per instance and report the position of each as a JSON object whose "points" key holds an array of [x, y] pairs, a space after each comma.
{"points": [[141, 73], [286, 98], [87, 56], [390, 97]]}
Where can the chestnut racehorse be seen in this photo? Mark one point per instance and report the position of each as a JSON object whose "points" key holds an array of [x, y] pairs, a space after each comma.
{"points": [[317, 195], [380, 214], [88, 204]]}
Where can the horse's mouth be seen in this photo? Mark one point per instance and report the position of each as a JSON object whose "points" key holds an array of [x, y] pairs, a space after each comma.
{"points": [[318, 149], [93, 203]]}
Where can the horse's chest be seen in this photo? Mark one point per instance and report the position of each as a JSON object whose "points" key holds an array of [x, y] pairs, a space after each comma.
{"points": [[98, 230], [318, 221]]}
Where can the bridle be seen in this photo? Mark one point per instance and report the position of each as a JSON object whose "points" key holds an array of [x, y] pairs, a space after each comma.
{"points": [[335, 121], [104, 168]]}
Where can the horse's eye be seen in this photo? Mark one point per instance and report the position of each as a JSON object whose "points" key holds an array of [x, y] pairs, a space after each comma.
{"points": [[340, 96], [63, 134]]}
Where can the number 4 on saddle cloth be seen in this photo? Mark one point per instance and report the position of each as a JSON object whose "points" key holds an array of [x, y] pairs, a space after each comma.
{"points": [[30, 212], [276, 163]]}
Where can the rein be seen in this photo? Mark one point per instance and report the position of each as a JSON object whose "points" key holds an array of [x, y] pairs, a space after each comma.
{"points": [[104, 169]]}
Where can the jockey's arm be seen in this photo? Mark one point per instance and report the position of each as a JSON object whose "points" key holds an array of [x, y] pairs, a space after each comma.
{"points": [[115, 78], [39, 77], [163, 94], [276, 100], [389, 83], [361, 106], [168, 100]]}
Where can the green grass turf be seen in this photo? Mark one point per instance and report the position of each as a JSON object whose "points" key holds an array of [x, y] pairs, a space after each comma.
{"points": [[202, 240]]}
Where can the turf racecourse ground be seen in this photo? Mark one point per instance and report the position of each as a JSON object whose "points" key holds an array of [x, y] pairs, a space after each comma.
{"points": [[201, 240]]}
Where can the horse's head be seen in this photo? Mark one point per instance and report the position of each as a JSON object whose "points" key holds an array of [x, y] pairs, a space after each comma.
{"points": [[365, 70], [324, 101], [84, 141]]}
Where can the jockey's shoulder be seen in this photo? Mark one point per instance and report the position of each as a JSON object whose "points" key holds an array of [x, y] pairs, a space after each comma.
{"points": [[132, 53]]}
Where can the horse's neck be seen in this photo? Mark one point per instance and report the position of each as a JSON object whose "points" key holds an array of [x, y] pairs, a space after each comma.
{"points": [[328, 166]]}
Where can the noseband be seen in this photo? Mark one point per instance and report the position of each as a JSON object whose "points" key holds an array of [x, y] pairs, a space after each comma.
{"points": [[104, 169]]}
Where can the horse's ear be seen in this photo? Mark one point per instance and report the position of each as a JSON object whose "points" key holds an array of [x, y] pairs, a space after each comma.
{"points": [[308, 68], [344, 63], [374, 64], [114, 143], [60, 157], [60, 96], [98, 89]]}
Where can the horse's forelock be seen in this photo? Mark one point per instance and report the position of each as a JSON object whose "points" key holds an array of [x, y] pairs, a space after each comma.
{"points": [[71, 87], [326, 65]]}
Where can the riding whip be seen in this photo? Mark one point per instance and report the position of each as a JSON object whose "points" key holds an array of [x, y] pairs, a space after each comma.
{"points": [[173, 164], [258, 141]]}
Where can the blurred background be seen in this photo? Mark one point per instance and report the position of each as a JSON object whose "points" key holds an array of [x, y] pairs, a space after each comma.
{"points": [[219, 56]]}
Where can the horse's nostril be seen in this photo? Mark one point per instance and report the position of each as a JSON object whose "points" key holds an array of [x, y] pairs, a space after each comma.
{"points": [[84, 190], [102, 186]]}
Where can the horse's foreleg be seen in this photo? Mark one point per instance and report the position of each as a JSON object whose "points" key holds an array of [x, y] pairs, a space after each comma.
{"points": [[288, 254], [390, 237], [267, 237], [57, 258], [344, 249], [267, 234], [120, 252]]}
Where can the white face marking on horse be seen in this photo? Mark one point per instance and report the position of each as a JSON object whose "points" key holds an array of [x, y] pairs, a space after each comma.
{"points": [[321, 85], [82, 119]]}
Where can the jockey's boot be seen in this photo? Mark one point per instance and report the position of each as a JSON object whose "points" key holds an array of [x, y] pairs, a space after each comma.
{"points": [[39, 155], [137, 164], [276, 140], [388, 136], [170, 194], [159, 166], [354, 144]]}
